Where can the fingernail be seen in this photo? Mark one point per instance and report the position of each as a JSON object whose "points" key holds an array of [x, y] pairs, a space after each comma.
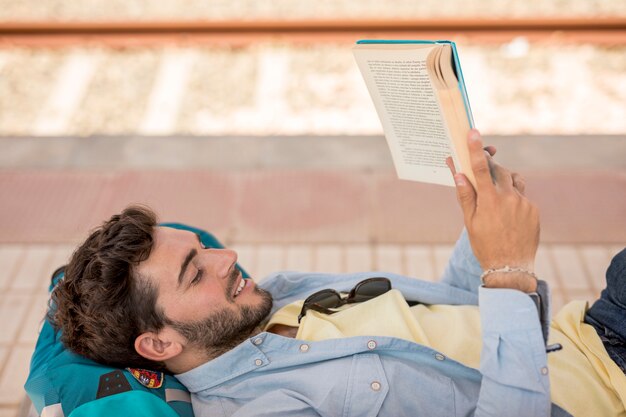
{"points": [[474, 135], [459, 179]]}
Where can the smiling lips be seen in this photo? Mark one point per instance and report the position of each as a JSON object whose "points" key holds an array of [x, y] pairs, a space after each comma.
{"points": [[241, 286]]}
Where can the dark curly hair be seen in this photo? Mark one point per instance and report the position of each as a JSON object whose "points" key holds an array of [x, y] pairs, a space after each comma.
{"points": [[102, 305]]}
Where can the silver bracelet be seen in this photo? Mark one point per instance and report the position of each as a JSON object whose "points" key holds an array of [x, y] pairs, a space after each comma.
{"points": [[506, 269]]}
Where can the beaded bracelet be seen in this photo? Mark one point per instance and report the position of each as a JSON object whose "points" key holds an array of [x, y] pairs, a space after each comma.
{"points": [[506, 269]]}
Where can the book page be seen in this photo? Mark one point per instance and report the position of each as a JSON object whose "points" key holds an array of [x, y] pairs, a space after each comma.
{"points": [[407, 104], [453, 106]]}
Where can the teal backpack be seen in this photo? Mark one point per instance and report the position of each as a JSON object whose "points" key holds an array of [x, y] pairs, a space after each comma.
{"points": [[61, 383]]}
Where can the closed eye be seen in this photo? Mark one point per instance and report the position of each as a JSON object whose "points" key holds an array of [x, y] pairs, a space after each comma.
{"points": [[200, 272], [198, 277]]}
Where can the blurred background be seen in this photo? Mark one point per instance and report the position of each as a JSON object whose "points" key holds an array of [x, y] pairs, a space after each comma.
{"points": [[250, 119]]}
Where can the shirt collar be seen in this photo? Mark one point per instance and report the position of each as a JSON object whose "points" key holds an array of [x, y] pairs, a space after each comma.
{"points": [[244, 358]]}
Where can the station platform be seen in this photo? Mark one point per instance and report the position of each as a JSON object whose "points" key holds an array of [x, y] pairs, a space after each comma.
{"points": [[322, 203]]}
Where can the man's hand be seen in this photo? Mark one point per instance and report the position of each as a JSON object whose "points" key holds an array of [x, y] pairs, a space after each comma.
{"points": [[502, 224]]}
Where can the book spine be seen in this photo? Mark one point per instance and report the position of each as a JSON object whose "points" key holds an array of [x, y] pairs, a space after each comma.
{"points": [[393, 41], [459, 72]]}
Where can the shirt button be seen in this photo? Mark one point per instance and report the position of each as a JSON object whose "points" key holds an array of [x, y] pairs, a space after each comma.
{"points": [[439, 357], [258, 362], [544, 370], [371, 345], [375, 386], [258, 341], [304, 348]]}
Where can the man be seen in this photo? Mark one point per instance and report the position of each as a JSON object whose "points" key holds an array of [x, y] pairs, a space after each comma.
{"points": [[145, 296]]}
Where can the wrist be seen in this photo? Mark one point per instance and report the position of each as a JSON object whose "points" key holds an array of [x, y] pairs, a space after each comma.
{"points": [[514, 278]]}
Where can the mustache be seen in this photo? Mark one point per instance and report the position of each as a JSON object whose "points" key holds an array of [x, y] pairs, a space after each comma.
{"points": [[232, 279]]}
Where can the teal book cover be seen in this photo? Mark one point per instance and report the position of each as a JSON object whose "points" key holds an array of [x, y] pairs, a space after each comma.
{"points": [[455, 55], [419, 94]]}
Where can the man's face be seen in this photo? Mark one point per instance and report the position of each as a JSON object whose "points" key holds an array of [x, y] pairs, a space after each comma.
{"points": [[202, 294]]}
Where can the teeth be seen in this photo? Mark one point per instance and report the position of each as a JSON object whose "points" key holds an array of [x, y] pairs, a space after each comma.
{"points": [[240, 288]]}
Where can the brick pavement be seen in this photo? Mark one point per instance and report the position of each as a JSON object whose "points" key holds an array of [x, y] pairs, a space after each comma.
{"points": [[282, 212], [574, 272]]}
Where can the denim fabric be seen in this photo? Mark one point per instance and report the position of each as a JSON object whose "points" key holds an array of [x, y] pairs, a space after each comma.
{"points": [[271, 375], [608, 314], [613, 343]]}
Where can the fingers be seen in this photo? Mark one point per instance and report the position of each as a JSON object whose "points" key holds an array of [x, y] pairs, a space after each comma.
{"points": [[466, 196], [491, 150], [450, 164], [502, 178], [519, 183], [465, 193], [500, 175], [478, 160]]}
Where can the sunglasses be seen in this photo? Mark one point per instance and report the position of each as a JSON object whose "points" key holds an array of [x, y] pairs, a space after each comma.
{"points": [[322, 301]]}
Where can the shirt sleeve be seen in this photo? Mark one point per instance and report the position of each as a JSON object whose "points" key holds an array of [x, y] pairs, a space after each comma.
{"points": [[463, 270], [513, 359], [277, 403]]}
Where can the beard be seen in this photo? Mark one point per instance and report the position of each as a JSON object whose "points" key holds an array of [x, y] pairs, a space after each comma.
{"points": [[226, 328]]}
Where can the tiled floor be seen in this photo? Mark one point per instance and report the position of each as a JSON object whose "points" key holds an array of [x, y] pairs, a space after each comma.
{"points": [[288, 203], [574, 272]]}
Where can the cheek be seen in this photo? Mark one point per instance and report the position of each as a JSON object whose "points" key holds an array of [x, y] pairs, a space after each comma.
{"points": [[200, 301]]}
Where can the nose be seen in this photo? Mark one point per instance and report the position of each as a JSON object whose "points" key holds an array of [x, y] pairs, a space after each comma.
{"points": [[221, 260]]}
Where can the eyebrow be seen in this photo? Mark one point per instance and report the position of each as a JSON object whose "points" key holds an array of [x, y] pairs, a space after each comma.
{"points": [[185, 264], [183, 268]]}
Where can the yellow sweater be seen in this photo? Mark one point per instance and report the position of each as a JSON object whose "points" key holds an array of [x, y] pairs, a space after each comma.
{"points": [[583, 378]]}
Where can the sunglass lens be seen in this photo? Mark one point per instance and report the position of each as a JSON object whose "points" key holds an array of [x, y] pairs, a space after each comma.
{"points": [[370, 289], [324, 300]]}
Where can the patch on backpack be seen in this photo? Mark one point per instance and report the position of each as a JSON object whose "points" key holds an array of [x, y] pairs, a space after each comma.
{"points": [[112, 383], [148, 379]]}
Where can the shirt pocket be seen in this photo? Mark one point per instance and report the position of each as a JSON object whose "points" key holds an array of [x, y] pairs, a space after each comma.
{"points": [[367, 388], [420, 390]]}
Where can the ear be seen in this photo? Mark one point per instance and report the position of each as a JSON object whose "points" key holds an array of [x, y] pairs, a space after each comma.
{"points": [[159, 346]]}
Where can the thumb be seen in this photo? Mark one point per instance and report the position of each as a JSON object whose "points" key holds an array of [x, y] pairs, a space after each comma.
{"points": [[466, 195]]}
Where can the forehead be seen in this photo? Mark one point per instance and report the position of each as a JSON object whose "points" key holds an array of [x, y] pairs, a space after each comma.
{"points": [[168, 252]]}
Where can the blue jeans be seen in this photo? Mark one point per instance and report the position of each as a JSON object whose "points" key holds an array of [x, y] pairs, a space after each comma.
{"points": [[608, 314]]}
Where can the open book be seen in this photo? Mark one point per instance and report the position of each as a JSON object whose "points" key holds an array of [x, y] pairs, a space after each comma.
{"points": [[419, 94]]}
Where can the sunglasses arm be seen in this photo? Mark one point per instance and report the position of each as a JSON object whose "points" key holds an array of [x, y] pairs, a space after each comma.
{"points": [[317, 308]]}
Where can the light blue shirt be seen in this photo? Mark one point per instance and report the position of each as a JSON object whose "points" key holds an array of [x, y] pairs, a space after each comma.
{"points": [[272, 375]]}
